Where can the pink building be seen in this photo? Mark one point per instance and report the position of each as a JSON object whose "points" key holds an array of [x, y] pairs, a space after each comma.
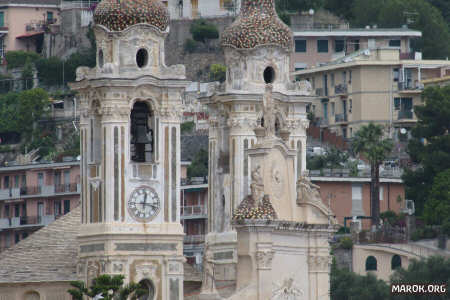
{"points": [[32, 196], [24, 22]]}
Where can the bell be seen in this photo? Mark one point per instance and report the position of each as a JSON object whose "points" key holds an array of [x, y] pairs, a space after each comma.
{"points": [[141, 135]]}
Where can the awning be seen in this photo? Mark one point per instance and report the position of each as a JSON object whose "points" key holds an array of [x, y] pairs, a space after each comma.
{"points": [[28, 35]]}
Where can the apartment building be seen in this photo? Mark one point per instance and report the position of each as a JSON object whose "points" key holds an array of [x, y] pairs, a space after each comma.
{"points": [[24, 22], [318, 43], [371, 85], [192, 9], [34, 195], [349, 196]]}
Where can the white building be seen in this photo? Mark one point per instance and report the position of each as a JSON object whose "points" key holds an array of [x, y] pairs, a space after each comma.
{"points": [[191, 9]]}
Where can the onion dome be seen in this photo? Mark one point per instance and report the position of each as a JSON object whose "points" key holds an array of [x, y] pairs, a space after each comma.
{"points": [[116, 15], [257, 24]]}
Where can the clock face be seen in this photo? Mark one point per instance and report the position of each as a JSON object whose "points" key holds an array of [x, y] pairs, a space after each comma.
{"points": [[143, 204]]}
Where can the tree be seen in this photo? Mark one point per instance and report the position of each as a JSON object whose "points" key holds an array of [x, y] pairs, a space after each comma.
{"points": [[111, 287], [429, 146], [434, 270], [345, 284], [437, 207], [203, 31], [218, 72], [199, 165], [370, 144], [27, 75]]}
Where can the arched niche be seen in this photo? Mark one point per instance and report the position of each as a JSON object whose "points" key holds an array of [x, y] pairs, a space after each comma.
{"points": [[142, 132]]}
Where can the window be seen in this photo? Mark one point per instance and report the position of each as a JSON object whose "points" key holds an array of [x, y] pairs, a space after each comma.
{"points": [[6, 182], [142, 144], [7, 211], [66, 206], [40, 179], [356, 45], [344, 77], [332, 108], [396, 74], [16, 237], [49, 16], [24, 235], [350, 77], [2, 19], [300, 45], [322, 46], [351, 132], [396, 262], [16, 210], [403, 104], [381, 191], [57, 210], [371, 263], [350, 106], [16, 181], [332, 79], [325, 110], [394, 43], [344, 132], [325, 84], [24, 209], [24, 181], [338, 45], [357, 208]]}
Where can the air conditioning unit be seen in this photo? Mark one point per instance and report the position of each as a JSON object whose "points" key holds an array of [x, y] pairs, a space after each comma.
{"points": [[410, 208]]}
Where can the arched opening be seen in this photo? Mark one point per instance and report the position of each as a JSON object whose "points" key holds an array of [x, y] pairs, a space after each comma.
{"points": [[142, 58], [396, 262], [33, 295], [149, 288], [100, 58], [141, 133], [269, 75], [371, 263]]}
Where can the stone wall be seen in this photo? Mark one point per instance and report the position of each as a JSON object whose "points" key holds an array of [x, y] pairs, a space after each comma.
{"points": [[343, 258], [197, 63]]}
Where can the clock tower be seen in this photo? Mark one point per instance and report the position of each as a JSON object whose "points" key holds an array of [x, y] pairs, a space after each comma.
{"points": [[130, 105]]}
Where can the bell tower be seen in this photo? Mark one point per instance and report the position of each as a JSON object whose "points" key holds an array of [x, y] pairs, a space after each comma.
{"points": [[130, 106]]}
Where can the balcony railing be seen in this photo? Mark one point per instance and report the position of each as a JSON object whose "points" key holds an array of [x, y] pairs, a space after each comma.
{"points": [[45, 190], [194, 180], [194, 239], [340, 118], [194, 211], [340, 89], [17, 222], [405, 114], [410, 86]]}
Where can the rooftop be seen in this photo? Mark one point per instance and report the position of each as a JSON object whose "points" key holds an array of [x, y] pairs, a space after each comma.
{"points": [[358, 32]]}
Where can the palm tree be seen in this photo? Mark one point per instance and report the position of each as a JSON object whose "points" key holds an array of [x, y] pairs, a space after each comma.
{"points": [[369, 143]]}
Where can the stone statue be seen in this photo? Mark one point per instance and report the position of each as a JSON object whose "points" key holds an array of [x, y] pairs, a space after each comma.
{"points": [[307, 192], [287, 291], [269, 111], [257, 186], [208, 282]]}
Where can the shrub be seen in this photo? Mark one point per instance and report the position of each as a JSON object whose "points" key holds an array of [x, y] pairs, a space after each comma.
{"points": [[202, 31], [446, 227], [389, 217], [343, 230], [346, 243], [218, 72], [187, 127], [17, 59], [50, 71], [190, 46]]}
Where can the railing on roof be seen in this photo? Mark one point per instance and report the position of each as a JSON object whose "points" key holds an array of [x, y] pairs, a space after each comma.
{"points": [[319, 26], [89, 4]]}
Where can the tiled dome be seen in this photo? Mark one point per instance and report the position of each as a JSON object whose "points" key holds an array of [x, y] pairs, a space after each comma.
{"points": [[116, 15], [257, 24]]}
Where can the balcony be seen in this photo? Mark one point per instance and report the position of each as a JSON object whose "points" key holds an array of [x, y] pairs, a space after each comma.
{"points": [[40, 191], [22, 222], [409, 87], [339, 118], [194, 212], [194, 239], [405, 115], [340, 89], [194, 181]]}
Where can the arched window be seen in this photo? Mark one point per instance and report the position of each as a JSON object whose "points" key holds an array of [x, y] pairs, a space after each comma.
{"points": [[371, 263], [396, 262], [142, 139], [150, 289]]}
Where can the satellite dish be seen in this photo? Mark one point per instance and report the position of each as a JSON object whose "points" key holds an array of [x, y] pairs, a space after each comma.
{"points": [[403, 131]]}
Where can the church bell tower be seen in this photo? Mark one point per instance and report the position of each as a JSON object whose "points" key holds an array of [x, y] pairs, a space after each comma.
{"points": [[130, 105]]}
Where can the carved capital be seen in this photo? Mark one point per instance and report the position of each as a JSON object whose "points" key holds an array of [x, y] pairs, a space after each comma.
{"points": [[241, 122], [264, 259]]}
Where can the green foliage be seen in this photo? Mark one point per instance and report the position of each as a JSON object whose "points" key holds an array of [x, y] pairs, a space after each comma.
{"points": [[343, 230], [27, 75], [345, 285], [187, 127], [17, 59], [389, 216], [284, 16], [437, 207], [430, 145], [203, 31], [217, 72], [446, 227], [190, 46], [41, 139], [19, 111], [111, 288], [346, 243], [50, 71], [426, 232], [199, 165], [298, 5], [334, 158], [340, 8], [435, 270]]}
